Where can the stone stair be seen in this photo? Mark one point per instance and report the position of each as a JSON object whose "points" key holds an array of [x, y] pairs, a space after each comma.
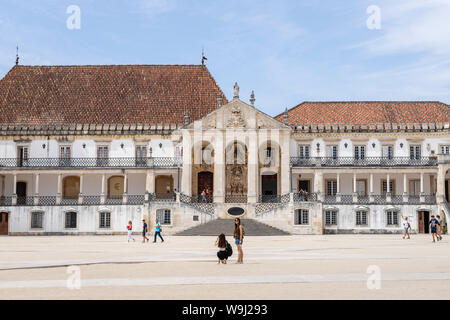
{"points": [[226, 226]]}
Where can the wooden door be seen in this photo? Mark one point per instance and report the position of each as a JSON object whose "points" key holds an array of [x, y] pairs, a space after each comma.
{"points": [[3, 223], [423, 221]]}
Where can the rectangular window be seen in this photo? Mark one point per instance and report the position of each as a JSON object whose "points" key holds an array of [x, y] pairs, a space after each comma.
{"points": [[64, 156], [361, 218], [361, 187], [415, 152], [414, 187], [102, 156], [22, 158], [141, 155], [164, 216], [331, 152], [301, 217], [391, 187], [331, 187], [392, 218], [360, 152], [387, 152], [71, 220], [445, 149], [303, 152], [331, 217], [37, 220], [105, 220]]}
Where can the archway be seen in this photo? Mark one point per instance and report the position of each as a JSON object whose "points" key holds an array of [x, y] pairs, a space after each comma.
{"points": [[236, 169], [164, 187], [115, 187], [205, 182], [71, 187], [202, 167]]}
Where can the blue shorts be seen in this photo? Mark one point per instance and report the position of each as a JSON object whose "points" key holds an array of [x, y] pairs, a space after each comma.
{"points": [[433, 230], [238, 241], [406, 229]]}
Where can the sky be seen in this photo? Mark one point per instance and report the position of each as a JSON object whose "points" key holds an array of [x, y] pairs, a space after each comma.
{"points": [[286, 51]]}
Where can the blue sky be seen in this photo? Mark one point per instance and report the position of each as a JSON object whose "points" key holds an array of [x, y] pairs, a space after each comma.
{"points": [[287, 51]]}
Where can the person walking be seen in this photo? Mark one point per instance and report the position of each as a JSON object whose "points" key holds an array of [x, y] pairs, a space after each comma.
{"points": [[406, 227], [130, 231], [433, 227], [238, 239], [440, 227], [144, 231], [158, 231], [225, 249]]}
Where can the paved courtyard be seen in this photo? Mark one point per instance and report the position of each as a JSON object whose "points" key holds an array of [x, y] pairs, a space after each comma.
{"points": [[285, 267]]}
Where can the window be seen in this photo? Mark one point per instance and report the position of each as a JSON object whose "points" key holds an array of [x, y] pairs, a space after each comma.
{"points": [[391, 187], [22, 156], [303, 152], [102, 156], [71, 220], [414, 187], [330, 217], [301, 217], [64, 156], [331, 152], [268, 156], [361, 218], [206, 156], [331, 187], [141, 155], [392, 218], [415, 152], [105, 220], [445, 149], [360, 152], [361, 188], [37, 219], [387, 152], [164, 216]]}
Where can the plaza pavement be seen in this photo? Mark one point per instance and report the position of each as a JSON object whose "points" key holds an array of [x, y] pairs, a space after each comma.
{"points": [[284, 267]]}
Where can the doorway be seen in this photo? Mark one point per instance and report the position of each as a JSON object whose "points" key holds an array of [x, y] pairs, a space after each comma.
{"points": [[3, 223], [21, 192], [269, 185], [423, 219], [205, 181], [304, 185]]}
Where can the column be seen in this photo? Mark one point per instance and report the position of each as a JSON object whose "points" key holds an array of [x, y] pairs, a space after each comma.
{"points": [[103, 195], [355, 194], [338, 187], [405, 190], [440, 184], [14, 197], [80, 195], [253, 168], [285, 163], [371, 195], [186, 181], [125, 186], [36, 188], [388, 188], [219, 169], [318, 185], [59, 191], [422, 195]]}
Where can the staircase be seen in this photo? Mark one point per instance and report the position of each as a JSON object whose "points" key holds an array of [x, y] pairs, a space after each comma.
{"points": [[226, 226]]}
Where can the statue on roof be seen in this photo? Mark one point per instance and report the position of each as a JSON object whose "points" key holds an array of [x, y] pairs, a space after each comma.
{"points": [[236, 91]]}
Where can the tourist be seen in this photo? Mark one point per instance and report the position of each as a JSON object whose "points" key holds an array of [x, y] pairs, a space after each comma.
{"points": [[239, 238], [207, 195], [144, 231], [406, 227], [225, 249], [203, 194], [433, 225], [440, 227], [158, 231], [130, 231]]}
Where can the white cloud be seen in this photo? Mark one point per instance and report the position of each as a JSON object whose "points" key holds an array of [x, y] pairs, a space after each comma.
{"points": [[158, 6]]}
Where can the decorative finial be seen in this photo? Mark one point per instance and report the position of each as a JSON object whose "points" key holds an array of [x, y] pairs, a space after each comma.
{"points": [[203, 58], [17, 55], [286, 116], [219, 100], [252, 98], [236, 91], [186, 117]]}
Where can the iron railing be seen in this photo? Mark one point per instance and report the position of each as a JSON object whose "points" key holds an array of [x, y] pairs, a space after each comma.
{"points": [[33, 163], [162, 197], [236, 198], [270, 202], [379, 199], [192, 201], [366, 162], [305, 197]]}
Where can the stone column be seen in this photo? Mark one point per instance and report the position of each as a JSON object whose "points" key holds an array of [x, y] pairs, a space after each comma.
{"points": [[422, 194], [103, 195], [371, 195], [285, 163], [36, 189], [388, 188], [355, 193], [405, 190], [80, 195], [253, 168], [14, 196], [186, 181], [125, 187], [440, 192], [338, 187], [318, 184], [149, 184], [219, 169], [59, 190]]}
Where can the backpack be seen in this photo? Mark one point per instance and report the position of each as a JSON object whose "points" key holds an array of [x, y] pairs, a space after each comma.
{"points": [[229, 249]]}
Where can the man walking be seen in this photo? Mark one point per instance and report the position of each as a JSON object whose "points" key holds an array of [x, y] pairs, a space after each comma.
{"points": [[406, 227], [440, 227], [158, 231], [144, 231], [433, 227]]}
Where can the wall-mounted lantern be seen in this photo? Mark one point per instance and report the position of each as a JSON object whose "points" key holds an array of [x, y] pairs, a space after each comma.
{"points": [[346, 145], [373, 145], [160, 145], [84, 145], [401, 144], [43, 146], [121, 145]]}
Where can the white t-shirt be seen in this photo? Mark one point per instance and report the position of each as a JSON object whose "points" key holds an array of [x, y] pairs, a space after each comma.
{"points": [[405, 223]]}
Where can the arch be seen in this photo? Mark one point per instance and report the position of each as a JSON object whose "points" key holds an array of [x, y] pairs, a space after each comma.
{"points": [[203, 153], [163, 184], [115, 186], [205, 181], [269, 153], [236, 152], [71, 187]]}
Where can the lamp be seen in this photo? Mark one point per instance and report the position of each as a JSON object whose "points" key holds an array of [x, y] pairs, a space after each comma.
{"points": [[401, 144], [84, 145], [43, 146], [160, 145], [373, 145], [121, 145], [346, 145]]}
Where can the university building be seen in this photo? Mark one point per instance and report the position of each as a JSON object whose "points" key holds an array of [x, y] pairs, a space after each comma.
{"points": [[85, 149]]}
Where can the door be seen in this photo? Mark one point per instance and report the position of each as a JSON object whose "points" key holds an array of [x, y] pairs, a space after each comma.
{"points": [[361, 188], [205, 182], [269, 186], [22, 158], [304, 185], [423, 220], [21, 191], [3, 223]]}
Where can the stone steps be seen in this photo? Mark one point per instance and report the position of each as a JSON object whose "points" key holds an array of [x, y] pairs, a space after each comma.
{"points": [[226, 226]]}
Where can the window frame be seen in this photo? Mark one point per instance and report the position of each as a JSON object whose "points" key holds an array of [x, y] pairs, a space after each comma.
{"points": [[331, 211], [366, 213], [65, 220], [42, 214], [392, 211], [301, 149], [100, 220], [162, 219], [299, 217]]}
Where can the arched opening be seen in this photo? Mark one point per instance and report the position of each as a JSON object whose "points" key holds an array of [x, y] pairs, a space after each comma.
{"points": [[115, 187], [203, 169], [21, 192], [164, 187], [236, 172], [205, 185], [269, 155], [71, 187], [269, 186]]}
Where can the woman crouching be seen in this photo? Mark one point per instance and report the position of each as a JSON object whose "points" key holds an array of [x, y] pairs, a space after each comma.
{"points": [[224, 249]]}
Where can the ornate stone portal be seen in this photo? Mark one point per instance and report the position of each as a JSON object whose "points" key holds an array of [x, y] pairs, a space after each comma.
{"points": [[236, 170]]}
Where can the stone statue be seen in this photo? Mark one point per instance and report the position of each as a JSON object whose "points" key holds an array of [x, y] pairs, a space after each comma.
{"points": [[236, 91]]}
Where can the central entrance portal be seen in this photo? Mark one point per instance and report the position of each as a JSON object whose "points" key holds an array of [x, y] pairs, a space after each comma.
{"points": [[269, 185]]}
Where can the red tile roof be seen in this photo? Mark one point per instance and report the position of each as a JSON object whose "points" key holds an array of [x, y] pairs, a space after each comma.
{"points": [[367, 112], [117, 94]]}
